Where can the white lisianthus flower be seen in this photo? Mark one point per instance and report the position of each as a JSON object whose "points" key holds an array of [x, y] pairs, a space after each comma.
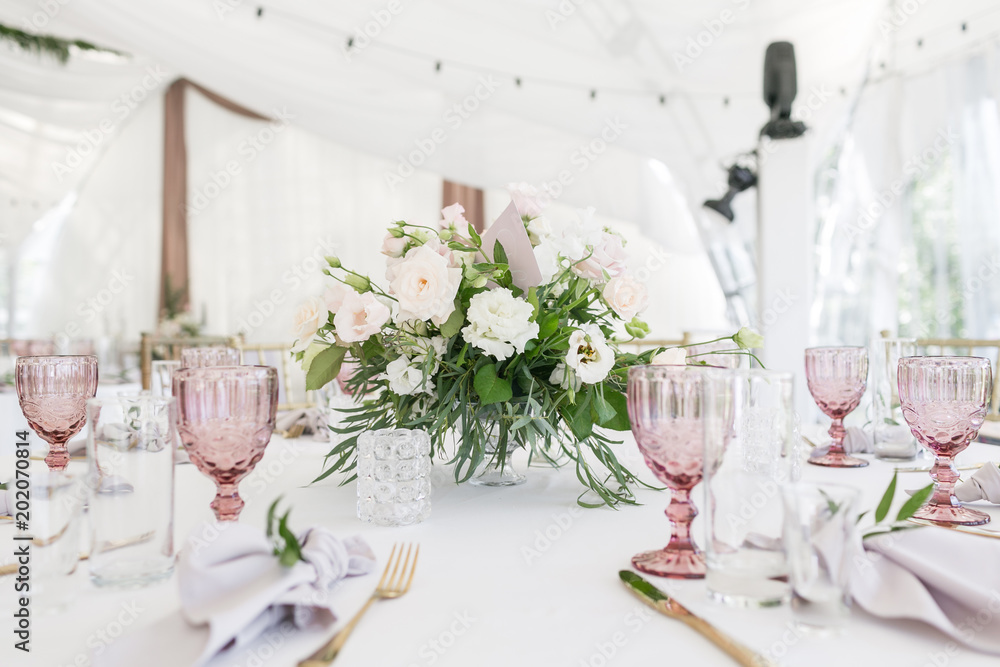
{"points": [[547, 258], [563, 377], [425, 285], [626, 296], [539, 229], [406, 377], [499, 323], [426, 348], [675, 356], [589, 354]]}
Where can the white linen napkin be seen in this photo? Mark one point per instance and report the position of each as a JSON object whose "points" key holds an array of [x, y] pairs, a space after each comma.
{"points": [[983, 485], [312, 418], [941, 577], [233, 589], [856, 441]]}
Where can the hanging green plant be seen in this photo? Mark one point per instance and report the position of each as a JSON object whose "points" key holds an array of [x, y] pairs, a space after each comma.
{"points": [[48, 44]]}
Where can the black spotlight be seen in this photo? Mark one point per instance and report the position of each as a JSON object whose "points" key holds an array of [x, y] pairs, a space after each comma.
{"points": [[779, 92], [740, 179]]}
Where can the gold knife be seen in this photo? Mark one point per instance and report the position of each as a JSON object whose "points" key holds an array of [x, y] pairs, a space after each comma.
{"points": [[666, 605]]}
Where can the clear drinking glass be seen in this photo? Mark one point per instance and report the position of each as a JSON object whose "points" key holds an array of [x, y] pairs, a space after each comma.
{"points": [[200, 357], [819, 533], [225, 420], [54, 524], [161, 382], [665, 410], [394, 485], [837, 377], [944, 401], [130, 447], [893, 440], [749, 421], [53, 392]]}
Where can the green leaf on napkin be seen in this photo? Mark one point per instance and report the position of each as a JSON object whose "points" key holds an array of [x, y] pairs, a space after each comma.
{"points": [[883, 507], [286, 545], [915, 502], [491, 389], [325, 367]]}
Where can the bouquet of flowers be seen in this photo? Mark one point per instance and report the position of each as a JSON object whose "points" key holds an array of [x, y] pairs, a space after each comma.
{"points": [[503, 340]]}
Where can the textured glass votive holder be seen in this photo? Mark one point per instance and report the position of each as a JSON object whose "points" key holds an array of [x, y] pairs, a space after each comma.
{"points": [[394, 486]]}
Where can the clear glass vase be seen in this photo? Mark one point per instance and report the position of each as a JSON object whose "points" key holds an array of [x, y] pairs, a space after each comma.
{"points": [[496, 470]]}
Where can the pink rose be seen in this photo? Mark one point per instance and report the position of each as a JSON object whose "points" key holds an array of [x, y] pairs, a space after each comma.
{"points": [[526, 199], [392, 246], [359, 317], [608, 255], [425, 284], [453, 215], [333, 297], [626, 296]]}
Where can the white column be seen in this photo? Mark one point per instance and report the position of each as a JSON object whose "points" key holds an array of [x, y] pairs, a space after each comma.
{"points": [[785, 258]]}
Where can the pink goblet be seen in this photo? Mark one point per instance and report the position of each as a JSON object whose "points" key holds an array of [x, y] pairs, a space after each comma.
{"points": [[53, 393], [665, 410], [944, 401], [837, 377], [225, 419]]}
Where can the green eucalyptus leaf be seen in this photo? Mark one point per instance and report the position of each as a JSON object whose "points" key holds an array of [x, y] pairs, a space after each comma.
{"points": [[491, 389]]}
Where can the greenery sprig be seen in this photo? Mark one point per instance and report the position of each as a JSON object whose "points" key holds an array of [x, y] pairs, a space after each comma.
{"points": [[54, 46], [908, 509], [286, 545]]}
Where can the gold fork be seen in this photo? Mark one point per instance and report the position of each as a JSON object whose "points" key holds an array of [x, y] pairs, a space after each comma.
{"points": [[385, 590]]}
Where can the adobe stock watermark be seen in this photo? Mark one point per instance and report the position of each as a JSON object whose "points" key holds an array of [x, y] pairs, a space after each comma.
{"points": [[563, 11], [48, 11], [898, 14], [581, 159], [98, 641], [544, 538], [362, 36], [453, 119], [121, 108], [433, 649], [291, 280], [89, 309], [913, 168], [714, 28], [248, 150], [634, 621]]}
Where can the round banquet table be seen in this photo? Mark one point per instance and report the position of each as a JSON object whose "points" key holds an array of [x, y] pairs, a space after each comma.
{"points": [[506, 576]]}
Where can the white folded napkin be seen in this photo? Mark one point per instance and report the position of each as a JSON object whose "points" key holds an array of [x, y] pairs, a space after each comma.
{"points": [[856, 441], [983, 485], [233, 589], [313, 419], [945, 578]]}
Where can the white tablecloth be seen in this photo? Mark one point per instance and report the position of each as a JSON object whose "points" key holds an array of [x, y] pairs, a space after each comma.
{"points": [[506, 577]]}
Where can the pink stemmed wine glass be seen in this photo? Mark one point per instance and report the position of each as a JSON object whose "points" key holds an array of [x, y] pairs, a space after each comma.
{"points": [[944, 401], [837, 378], [53, 393], [225, 419], [665, 411]]}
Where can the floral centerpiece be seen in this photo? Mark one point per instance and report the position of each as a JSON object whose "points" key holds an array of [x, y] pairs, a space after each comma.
{"points": [[504, 344]]}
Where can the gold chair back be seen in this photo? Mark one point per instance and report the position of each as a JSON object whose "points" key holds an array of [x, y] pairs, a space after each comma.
{"points": [[292, 394]]}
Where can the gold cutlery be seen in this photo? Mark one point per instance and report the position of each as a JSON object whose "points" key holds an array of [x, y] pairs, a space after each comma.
{"points": [[385, 590], [6, 517], [295, 431], [105, 546], [666, 605], [971, 530]]}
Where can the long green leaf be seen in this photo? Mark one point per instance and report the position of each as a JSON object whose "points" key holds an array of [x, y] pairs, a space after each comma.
{"points": [[915, 502], [882, 511]]}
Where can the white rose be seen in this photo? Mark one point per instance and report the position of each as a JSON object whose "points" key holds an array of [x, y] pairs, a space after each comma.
{"points": [[406, 377], [563, 377], [310, 316], [333, 297], [606, 255], [393, 246], [526, 198], [499, 323], [675, 356], [626, 296], [589, 354], [425, 285]]}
